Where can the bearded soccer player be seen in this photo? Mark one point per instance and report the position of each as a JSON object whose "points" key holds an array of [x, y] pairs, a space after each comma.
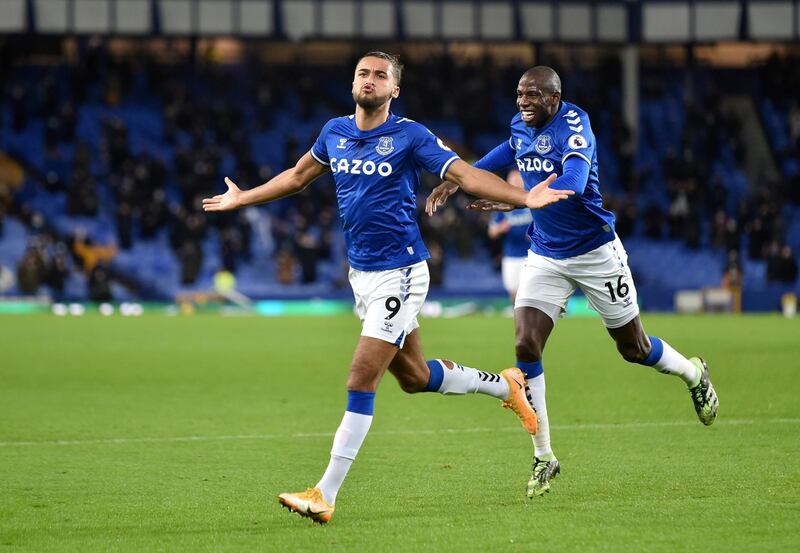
{"points": [[573, 244], [376, 158]]}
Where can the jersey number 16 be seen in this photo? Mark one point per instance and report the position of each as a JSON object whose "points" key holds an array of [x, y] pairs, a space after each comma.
{"points": [[622, 289]]}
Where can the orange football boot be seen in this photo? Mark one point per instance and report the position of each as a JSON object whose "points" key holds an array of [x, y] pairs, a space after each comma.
{"points": [[310, 504], [517, 400]]}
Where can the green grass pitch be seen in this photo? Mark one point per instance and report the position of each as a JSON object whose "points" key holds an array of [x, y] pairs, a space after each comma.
{"points": [[176, 433]]}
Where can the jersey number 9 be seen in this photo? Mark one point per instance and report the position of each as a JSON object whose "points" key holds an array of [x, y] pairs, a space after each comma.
{"points": [[392, 306]]}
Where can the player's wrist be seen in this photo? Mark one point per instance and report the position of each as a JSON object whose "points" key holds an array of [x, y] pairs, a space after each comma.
{"points": [[243, 199]]}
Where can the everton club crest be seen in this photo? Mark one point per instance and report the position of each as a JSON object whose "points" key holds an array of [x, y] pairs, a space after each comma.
{"points": [[385, 145], [544, 144]]}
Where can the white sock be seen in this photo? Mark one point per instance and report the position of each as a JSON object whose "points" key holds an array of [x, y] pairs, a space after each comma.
{"points": [[466, 380], [672, 362], [536, 397], [346, 443]]}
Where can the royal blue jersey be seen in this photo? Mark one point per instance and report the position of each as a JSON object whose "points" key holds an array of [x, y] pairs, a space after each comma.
{"points": [[515, 242], [377, 177], [579, 224]]}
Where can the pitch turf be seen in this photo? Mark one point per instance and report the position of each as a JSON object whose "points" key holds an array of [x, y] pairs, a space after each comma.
{"points": [[176, 434]]}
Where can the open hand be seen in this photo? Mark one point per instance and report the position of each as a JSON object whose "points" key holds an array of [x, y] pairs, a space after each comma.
{"points": [[542, 195], [224, 202], [439, 196]]}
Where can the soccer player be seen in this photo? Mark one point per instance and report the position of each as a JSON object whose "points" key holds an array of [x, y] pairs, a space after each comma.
{"points": [[513, 227], [376, 158], [573, 244]]}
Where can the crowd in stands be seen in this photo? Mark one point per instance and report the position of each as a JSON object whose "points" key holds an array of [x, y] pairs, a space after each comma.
{"points": [[189, 125]]}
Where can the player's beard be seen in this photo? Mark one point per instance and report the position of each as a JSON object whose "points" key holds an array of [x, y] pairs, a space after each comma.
{"points": [[370, 102]]}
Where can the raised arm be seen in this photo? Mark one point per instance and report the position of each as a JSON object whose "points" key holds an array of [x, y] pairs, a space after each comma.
{"points": [[290, 181], [491, 187]]}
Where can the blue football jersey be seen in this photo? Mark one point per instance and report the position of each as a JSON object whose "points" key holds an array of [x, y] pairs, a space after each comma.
{"points": [[377, 176], [579, 224], [516, 242]]}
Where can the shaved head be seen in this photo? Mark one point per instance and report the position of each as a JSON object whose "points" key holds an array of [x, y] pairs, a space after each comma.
{"points": [[538, 95], [545, 77]]}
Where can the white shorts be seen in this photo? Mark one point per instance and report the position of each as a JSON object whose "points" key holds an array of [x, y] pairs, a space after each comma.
{"points": [[511, 267], [603, 275], [388, 302]]}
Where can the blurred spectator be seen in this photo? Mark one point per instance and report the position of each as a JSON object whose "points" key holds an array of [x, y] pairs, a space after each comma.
{"points": [[232, 247], [284, 263], [732, 236], [5, 202], [19, 111], [191, 260], [626, 218], [57, 272], [759, 235], [12, 177], [653, 222], [225, 286], [436, 263], [7, 279], [260, 222], [30, 272], [781, 264], [154, 214], [678, 214], [307, 245], [100, 283], [328, 229], [82, 190], [732, 274], [125, 225], [90, 253]]}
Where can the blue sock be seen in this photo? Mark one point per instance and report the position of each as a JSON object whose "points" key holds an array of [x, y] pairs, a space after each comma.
{"points": [[656, 351], [360, 402], [531, 370], [436, 376]]}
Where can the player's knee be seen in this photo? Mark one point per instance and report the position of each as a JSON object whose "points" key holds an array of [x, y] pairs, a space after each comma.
{"points": [[528, 350], [412, 384], [415, 376], [634, 351]]}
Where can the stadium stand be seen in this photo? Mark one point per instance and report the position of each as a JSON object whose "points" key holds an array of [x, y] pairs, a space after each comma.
{"points": [[116, 153]]}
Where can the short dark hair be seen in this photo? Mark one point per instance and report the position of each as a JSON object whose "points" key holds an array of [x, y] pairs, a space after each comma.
{"points": [[391, 58]]}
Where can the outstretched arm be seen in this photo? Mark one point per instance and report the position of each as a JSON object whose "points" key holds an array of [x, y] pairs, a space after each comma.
{"points": [[575, 178], [491, 187], [289, 182], [500, 157]]}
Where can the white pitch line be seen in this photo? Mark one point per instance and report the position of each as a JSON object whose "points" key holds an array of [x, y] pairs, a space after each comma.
{"points": [[580, 426]]}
